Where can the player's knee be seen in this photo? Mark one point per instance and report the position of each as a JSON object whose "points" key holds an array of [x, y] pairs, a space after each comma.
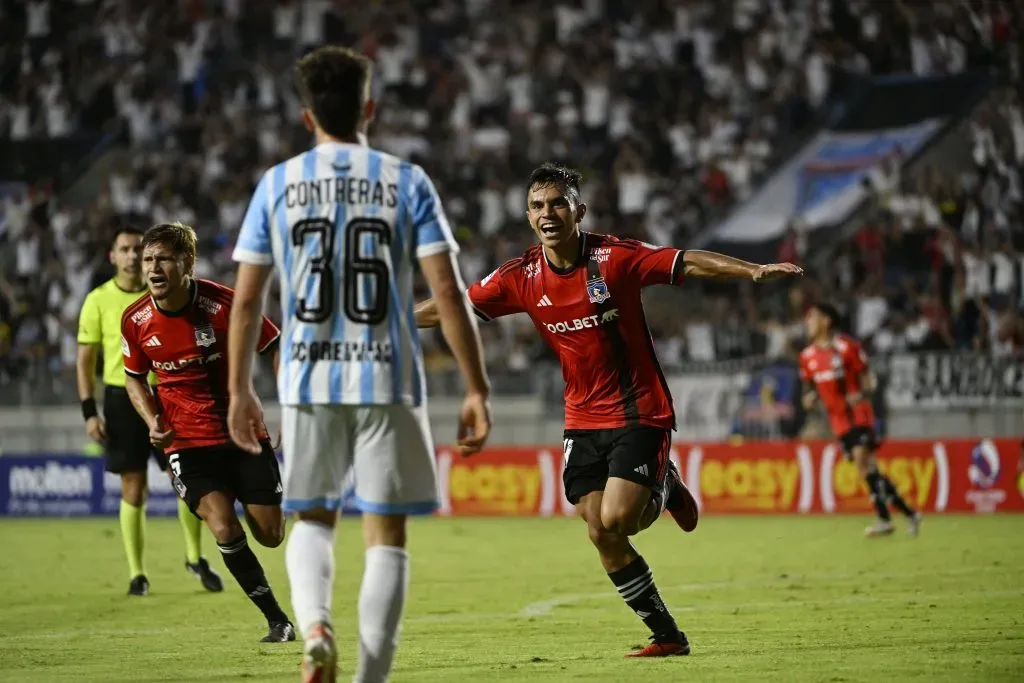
{"points": [[384, 530], [620, 526], [320, 516], [620, 521], [269, 534], [607, 541], [220, 519], [276, 537], [224, 530], [598, 535], [270, 539]]}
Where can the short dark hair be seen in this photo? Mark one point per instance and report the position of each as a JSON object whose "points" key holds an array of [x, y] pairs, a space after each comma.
{"points": [[334, 83], [123, 230], [829, 311], [178, 237], [550, 173]]}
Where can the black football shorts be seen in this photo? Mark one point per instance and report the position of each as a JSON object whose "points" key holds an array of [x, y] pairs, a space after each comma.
{"points": [[250, 479], [127, 448], [859, 436], [637, 453]]}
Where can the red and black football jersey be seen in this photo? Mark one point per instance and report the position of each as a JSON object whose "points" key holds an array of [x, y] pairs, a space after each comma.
{"points": [[835, 372], [187, 350], [592, 317]]}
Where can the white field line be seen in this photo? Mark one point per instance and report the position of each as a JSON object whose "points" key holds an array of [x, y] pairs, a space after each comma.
{"points": [[545, 607], [937, 598]]}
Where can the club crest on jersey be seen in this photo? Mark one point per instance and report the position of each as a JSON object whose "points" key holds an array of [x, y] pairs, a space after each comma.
{"points": [[597, 291], [205, 336]]}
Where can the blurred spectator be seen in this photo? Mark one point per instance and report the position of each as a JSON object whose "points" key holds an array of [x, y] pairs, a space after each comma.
{"points": [[674, 111]]}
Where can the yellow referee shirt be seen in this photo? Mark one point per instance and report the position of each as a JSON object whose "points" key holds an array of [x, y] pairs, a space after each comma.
{"points": [[100, 323]]}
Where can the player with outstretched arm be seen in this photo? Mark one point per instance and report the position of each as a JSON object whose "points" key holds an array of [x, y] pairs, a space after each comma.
{"points": [[180, 332], [835, 368], [582, 291], [344, 226]]}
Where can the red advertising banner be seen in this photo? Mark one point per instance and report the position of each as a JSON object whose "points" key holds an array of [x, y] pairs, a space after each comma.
{"points": [[755, 478], [937, 476], [501, 481], [769, 477]]}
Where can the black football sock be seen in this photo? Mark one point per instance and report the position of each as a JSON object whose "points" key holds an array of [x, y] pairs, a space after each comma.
{"points": [[876, 488], [245, 567], [895, 498], [635, 584]]}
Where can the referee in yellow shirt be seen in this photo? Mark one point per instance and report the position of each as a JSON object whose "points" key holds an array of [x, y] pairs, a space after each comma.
{"points": [[121, 430]]}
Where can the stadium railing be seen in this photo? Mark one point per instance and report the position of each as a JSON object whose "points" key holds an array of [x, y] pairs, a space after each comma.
{"points": [[977, 395]]}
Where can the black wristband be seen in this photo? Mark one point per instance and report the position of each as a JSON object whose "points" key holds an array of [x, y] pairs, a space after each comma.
{"points": [[89, 409]]}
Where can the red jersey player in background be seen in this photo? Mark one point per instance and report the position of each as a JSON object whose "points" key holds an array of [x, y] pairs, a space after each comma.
{"points": [[180, 331], [582, 291], [835, 368]]}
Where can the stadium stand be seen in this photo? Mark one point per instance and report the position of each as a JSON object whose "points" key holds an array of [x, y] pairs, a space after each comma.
{"points": [[675, 111]]}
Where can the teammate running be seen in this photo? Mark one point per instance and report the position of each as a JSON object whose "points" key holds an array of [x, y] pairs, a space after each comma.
{"points": [[122, 432], [180, 331], [582, 291], [835, 368], [344, 225]]}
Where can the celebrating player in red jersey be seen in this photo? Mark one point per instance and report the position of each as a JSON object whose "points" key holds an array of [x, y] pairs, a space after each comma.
{"points": [[582, 291], [835, 368], [180, 331]]}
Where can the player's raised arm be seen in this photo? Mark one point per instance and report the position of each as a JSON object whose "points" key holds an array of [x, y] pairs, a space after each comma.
{"points": [[489, 299], [710, 264]]}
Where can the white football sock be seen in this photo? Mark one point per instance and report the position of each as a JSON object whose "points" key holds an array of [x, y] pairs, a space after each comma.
{"points": [[381, 600], [309, 557]]}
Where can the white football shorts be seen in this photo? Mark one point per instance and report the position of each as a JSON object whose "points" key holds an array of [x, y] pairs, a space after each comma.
{"points": [[385, 452]]}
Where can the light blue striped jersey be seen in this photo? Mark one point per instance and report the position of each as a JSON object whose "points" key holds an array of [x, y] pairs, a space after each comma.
{"points": [[342, 225]]}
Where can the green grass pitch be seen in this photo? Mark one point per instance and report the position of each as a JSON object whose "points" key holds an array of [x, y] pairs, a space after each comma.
{"points": [[762, 599]]}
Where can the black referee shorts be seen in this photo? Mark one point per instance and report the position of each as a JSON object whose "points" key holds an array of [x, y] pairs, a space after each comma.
{"points": [[128, 447]]}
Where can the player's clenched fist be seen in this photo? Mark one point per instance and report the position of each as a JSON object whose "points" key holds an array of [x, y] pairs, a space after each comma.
{"points": [[474, 424], [773, 271], [159, 435]]}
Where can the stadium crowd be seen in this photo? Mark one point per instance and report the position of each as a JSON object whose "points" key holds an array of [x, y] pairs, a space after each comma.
{"points": [[674, 110]]}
